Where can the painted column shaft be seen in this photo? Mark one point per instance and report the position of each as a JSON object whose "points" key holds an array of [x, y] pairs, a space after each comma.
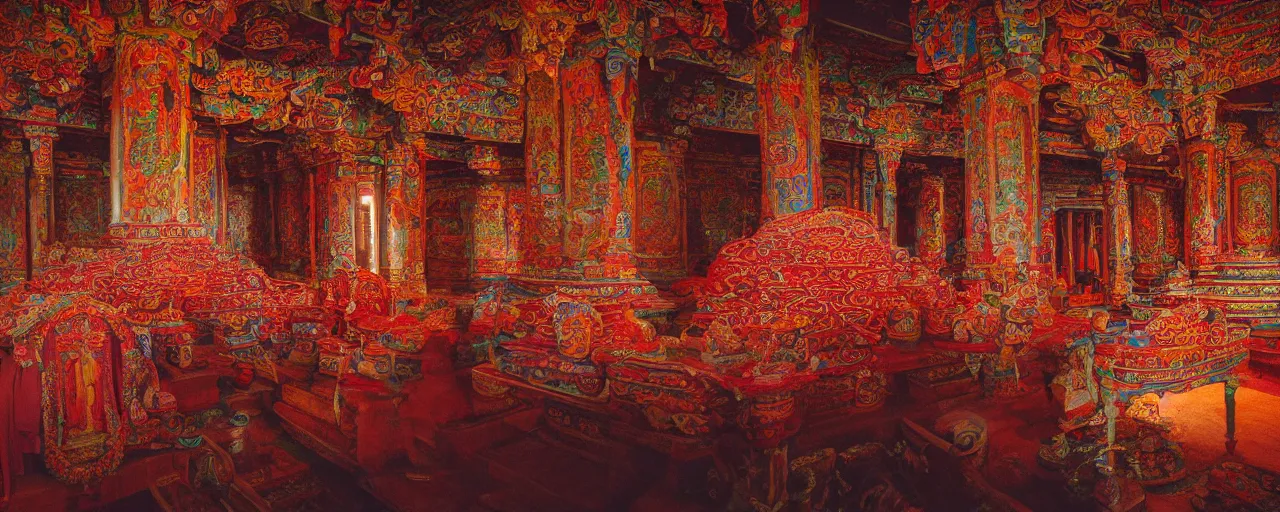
{"points": [[599, 97], [150, 142], [406, 268], [1120, 227], [659, 211], [1206, 201], [790, 149], [40, 209], [207, 180], [544, 174], [337, 192], [890, 161], [931, 236], [1002, 173]]}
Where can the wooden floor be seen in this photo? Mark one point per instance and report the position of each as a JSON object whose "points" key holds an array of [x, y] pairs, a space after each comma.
{"points": [[1198, 421]]}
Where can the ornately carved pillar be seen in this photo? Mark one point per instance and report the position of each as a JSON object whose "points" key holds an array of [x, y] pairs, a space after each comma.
{"points": [[621, 74], [790, 151], [544, 176], [337, 191], [1002, 173], [931, 237], [659, 212], [1206, 198], [209, 180], [1120, 228], [495, 223], [889, 162], [406, 267], [599, 95], [151, 128], [1002, 187], [40, 141]]}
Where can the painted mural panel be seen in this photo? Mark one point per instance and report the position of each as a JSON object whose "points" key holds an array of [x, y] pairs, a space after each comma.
{"points": [[50, 74], [292, 217], [448, 232], [154, 113], [841, 176], [13, 213], [496, 226], [83, 208], [240, 217], [248, 221], [723, 204], [722, 104]]}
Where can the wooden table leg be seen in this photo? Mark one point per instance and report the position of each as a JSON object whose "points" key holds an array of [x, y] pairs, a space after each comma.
{"points": [[1230, 387]]}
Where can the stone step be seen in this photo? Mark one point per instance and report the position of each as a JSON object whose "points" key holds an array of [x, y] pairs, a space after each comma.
{"points": [[322, 437], [304, 399]]}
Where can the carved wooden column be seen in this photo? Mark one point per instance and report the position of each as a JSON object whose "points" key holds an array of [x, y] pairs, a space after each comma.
{"points": [[787, 89], [1206, 198], [1119, 228], [337, 191], [1205, 167], [599, 96], [544, 175], [622, 88], [931, 238], [150, 138], [495, 223], [208, 180], [1251, 195], [889, 162], [1002, 189], [869, 169], [1048, 233], [1002, 173], [14, 208], [40, 141], [659, 210], [404, 194], [545, 31]]}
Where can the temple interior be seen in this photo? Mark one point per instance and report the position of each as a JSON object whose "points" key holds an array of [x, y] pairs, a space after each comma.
{"points": [[639, 255]]}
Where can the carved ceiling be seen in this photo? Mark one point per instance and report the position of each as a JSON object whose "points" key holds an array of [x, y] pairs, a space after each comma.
{"points": [[1128, 76]]}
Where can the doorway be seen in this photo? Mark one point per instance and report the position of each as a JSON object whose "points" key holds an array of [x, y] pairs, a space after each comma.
{"points": [[1080, 257], [366, 231]]}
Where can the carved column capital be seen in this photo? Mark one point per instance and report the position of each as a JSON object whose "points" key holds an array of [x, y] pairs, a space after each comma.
{"points": [[1113, 167], [40, 139], [1116, 189]]}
